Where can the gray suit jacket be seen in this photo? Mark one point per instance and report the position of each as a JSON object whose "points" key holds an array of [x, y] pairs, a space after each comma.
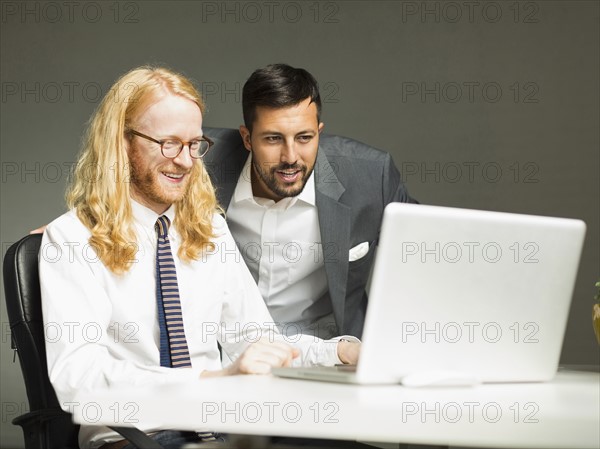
{"points": [[354, 183]]}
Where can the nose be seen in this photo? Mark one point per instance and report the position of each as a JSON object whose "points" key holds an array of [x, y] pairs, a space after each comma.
{"points": [[184, 159], [288, 151]]}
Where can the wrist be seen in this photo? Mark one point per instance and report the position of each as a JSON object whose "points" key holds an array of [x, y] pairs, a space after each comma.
{"points": [[341, 350], [348, 351]]}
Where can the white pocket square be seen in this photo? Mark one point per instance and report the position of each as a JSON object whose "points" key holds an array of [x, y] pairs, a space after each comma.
{"points": [[358, 251]]}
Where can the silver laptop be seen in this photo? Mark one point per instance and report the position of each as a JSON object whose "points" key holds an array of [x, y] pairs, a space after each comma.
{"points": [[464, 296]]}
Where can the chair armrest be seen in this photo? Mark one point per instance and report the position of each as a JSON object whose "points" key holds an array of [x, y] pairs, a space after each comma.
{"points": [[38, 416], [48, 425]]}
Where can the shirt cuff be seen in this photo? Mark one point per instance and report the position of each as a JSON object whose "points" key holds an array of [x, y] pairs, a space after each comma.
{"points": [[330, 353]]}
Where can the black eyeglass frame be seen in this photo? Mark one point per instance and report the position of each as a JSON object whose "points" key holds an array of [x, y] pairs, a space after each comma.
{"points": [[183, 144]]}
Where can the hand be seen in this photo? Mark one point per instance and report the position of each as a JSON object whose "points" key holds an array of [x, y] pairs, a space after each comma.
{"points": [[263, 355], [39, 230], [348, 352], [259, 358]]}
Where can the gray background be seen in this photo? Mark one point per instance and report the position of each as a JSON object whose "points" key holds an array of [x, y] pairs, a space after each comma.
{"points": [[494, 107]]}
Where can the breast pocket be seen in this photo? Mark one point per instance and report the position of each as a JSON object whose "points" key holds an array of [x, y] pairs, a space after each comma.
{"points": [[360, 254]]}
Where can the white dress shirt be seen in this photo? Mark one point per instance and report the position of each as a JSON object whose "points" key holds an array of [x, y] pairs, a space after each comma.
{"points": [[281, 244], [102, 328]]}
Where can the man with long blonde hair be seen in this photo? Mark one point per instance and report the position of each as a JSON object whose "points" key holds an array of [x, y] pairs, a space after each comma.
{"points": [[157, 299]]}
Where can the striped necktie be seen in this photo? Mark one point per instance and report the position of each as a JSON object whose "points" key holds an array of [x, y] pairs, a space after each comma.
{"points": [[173, 346]]}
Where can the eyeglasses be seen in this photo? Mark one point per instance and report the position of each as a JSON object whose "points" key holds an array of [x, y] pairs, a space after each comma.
{"points": [[170, 148]]}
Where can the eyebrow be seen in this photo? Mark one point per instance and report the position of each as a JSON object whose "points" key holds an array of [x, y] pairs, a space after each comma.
{"points": [[278, 133], [173, 136]]}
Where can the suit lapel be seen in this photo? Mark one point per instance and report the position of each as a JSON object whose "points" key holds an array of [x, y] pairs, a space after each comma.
{"points": [[334, 224], [334, 221]]}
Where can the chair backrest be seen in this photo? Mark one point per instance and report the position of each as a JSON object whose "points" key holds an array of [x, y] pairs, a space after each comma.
{"points": [[46, 425]]}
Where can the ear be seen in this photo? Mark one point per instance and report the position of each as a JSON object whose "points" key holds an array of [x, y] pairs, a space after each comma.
{"points": [[245, 133], [321, 126]]}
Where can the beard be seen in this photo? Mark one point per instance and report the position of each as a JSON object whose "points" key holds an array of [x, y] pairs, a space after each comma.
{"points": [[147, 184], [281, 188]]}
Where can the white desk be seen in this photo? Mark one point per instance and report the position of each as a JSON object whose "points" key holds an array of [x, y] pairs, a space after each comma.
{"points": [[564, 413]]}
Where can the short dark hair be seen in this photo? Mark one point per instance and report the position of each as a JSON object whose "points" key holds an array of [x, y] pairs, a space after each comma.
{"points": [[278, 86]]}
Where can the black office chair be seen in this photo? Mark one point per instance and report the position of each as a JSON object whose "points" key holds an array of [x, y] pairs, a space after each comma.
{"points": [[46, 426]]}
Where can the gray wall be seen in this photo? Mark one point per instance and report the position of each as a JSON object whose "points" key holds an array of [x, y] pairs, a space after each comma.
{"points": [[489, 106]]}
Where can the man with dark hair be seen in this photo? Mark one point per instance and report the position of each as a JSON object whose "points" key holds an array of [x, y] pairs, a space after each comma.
{"points": [[278, 86], [304, 209]]}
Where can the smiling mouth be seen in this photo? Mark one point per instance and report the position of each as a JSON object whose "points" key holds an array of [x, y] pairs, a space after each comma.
{"points": [[173, 175], [290, 173]]}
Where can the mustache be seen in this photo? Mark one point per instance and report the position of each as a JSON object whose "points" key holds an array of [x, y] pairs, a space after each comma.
{"points": [[175, 170], [287, 166]]}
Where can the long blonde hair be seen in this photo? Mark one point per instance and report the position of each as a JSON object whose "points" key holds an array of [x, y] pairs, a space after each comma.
{"points": [[99, 189]]}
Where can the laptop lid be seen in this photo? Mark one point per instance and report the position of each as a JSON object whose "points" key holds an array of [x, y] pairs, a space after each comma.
{"points": [[478, 294]]}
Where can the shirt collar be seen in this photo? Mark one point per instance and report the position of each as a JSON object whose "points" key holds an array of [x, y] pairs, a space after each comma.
{"points": [[243, 189], [147, 217]]}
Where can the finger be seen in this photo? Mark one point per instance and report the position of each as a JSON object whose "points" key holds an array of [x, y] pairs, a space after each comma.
{"points": [[276, 342], [257, 367], [259, 364], [281, 349], [274, 358], [260, 356], [290, 360]]}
